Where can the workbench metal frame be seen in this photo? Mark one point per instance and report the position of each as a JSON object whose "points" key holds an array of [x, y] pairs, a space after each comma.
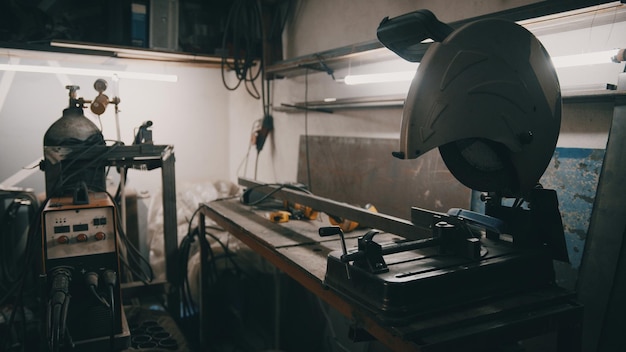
{"points": [[497, 321]]}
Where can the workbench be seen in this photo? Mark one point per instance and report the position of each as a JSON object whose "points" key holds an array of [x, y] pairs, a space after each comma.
{"points": [[295, 248]]}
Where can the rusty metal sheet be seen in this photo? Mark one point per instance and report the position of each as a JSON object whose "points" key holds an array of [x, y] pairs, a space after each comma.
{"points": [[574, 174], [361, 171]]}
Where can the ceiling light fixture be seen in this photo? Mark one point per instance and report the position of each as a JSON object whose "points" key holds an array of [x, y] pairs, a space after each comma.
{"points": [[129, 53], [594, 58], [379, 77], [89, 72]]}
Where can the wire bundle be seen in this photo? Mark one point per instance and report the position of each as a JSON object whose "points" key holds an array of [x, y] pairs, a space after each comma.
{"points": [[17, 271], [243, 41], [187, 249]]}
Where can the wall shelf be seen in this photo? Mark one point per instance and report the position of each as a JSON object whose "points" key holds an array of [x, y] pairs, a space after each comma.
{"points": [[397, 101], [338, 58]]}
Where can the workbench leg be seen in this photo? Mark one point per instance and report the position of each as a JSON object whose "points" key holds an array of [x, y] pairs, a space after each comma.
{"points": [[277, 310], [569, 337]]}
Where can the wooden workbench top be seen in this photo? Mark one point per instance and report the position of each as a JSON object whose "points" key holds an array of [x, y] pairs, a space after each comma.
{"points": [[296, 248]]}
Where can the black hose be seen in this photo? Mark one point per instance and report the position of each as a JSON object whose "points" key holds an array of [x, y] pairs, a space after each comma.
{"points": [[58, 305]]}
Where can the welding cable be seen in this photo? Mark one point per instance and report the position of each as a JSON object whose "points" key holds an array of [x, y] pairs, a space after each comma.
{"points": [[185, 248], [227, 253], [7, 225], [110, 280], [73, 158], [17, 290], [91, 142], [279, 186], [182, 255], [27, 258], [133, 258], [187, 301], [112, 335], [58, 305], [136, 258], [64, 331], [91, 280], [211, 273], [10, 266]]}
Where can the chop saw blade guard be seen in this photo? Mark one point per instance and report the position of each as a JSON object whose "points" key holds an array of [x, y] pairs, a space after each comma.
{"points": [[486, 95]]}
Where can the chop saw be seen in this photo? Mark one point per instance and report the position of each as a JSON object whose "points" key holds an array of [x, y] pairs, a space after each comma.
{"points": [[486, 94]]}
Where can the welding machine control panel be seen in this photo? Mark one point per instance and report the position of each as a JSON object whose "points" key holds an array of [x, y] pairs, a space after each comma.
{"points": [[79, 231]]}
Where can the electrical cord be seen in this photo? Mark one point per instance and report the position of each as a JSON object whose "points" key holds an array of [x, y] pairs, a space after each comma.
{"points": [[279, 186], [212, 274], [189, 306], [18, 289], [110, 280], [91, 280], [60, 186], [132, 257], [58, 303], [256, 125], [9, 261], [244, 28]]}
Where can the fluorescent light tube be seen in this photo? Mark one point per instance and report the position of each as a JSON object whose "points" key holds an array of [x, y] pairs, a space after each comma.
{"points": [[89, 72], [379, 77], [595, 58], [123, 52]]}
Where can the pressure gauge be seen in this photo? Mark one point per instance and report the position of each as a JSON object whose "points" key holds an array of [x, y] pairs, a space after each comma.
{"points": [[100, 85]]}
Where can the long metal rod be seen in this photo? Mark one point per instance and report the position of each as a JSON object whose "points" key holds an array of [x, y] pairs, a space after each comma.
{"points": [[364, 217]]}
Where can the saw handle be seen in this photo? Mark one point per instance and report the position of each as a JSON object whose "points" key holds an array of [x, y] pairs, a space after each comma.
{"points": [[404, 33], [331, 231]]}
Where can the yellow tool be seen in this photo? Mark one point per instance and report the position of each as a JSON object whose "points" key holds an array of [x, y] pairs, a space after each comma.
{"points": [[279, 216], [347, 225], [305, 212], [300, 212]]}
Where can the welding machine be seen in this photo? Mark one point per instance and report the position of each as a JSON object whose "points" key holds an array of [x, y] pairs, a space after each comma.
{"points": [[81, 261]]}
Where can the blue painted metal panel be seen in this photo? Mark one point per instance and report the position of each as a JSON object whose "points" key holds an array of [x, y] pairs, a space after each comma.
{"points": [[574, 174]]}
